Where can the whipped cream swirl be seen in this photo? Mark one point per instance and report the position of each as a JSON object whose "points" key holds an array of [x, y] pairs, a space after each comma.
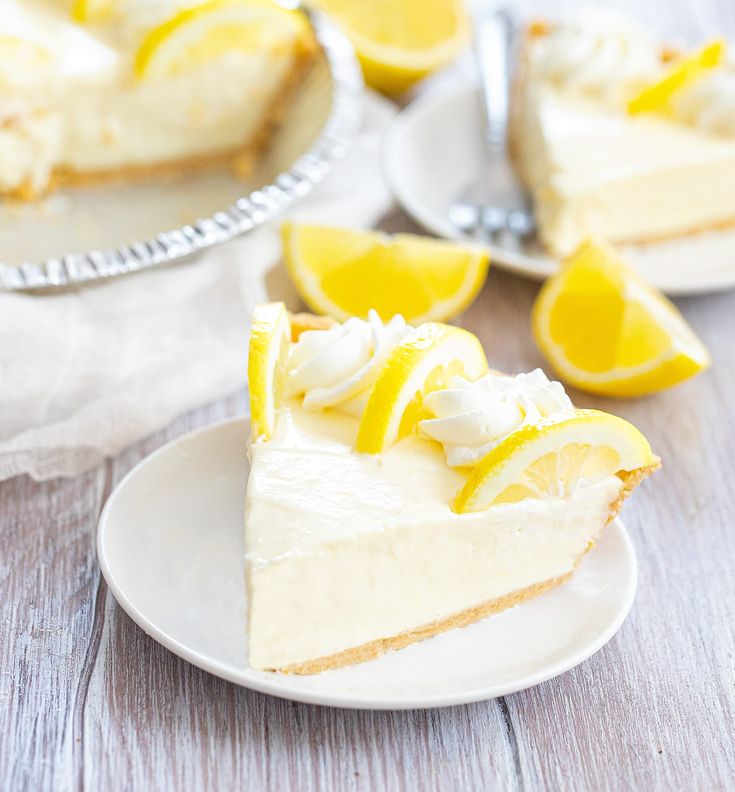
{"points": [[600, 52], [709, 104], [337, 367], [471, 418]]}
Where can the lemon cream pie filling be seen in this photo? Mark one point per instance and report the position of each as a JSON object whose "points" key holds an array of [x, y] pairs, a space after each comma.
{"points": [[476, 491], [620, 138], [149, 88]]}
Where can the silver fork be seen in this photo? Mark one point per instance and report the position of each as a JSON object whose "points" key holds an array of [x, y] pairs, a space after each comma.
{"points": [[494, 205]]}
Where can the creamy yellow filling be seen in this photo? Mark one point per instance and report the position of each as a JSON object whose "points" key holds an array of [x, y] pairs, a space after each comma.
{"points": [[595, 171], [345, 548], [75, 103]]}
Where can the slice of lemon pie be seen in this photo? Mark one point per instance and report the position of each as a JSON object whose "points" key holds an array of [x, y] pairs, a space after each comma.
{"points": [[618, 137], [125, 89], [398, 488]]}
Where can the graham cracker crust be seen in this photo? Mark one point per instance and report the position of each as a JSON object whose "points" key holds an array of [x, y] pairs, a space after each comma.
{"points": [[691, 231], [301, 322], [239, 159], [371, 650]]}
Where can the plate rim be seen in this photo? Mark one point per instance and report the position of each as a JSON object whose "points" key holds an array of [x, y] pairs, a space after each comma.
{"points": [[519, 263], [257, 681], [246, 213]]}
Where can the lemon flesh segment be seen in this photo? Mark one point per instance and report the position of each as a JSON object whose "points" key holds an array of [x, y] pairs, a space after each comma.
{"points": [[657, 96], [424, 361], [209, 30], [606, 331], [270, 337], [399, 43], [342, 273], [550, 458], [93, 10]]}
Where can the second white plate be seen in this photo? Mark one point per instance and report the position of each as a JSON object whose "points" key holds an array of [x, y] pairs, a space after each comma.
{"points": [[431, 153], [171, 548]]}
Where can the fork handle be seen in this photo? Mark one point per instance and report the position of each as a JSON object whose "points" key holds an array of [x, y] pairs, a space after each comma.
{"points": [[494, 35]]}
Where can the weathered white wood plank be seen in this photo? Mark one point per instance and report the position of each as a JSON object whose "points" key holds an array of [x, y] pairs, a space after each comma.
{"points": [[50, 614], [168, 725], [48, 578]]}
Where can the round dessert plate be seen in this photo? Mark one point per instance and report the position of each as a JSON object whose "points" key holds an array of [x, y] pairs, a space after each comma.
{"points": [[170, 545], [431, 153], [87, 234]]}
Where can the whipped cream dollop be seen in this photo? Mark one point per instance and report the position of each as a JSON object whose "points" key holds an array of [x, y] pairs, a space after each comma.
{"points": [[337, 367], [601, 51], [709, 104], [471, 418]]}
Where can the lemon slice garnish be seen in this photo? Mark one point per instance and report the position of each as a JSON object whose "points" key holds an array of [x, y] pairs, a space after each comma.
{"points": [[548, 459], [211, 29], [398, 43], [270, 337], [424, 360], [606, 331], [682, 73], [343, 273]]}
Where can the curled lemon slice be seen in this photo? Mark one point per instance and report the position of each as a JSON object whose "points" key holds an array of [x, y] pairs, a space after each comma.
{"points": [[424, 360], [606, 331], [399, 42], [343, 273], [210, 29], [681, 73], [269, 341], [548, 459]]}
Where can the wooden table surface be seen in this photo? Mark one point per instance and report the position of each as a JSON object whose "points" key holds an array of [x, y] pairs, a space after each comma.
{"points": [[88, 701]]}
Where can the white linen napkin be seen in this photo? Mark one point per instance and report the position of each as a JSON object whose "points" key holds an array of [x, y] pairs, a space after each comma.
{"points": [[86, 373]]}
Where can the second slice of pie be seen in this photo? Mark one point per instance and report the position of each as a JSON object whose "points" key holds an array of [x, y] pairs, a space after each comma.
{"points": [[599, 156]]}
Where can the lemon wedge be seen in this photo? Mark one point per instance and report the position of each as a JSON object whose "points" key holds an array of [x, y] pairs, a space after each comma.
{"points": [[399, 43], [343, 273], [93, 10], [269, 341], [210, 29], [424, 361], [606, 331], [681, 73], [548, 459]]}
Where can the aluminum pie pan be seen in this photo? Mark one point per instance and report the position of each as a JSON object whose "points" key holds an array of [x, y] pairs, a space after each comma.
{"points": [[333, 92]]}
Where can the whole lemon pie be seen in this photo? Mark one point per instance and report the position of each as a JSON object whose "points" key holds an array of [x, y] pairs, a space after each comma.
{"points": [[398, 488], [620, 137], [92, 90]]}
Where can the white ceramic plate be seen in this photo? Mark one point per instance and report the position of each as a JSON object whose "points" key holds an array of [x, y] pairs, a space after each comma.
{"points": [[430, 155], [170, 546]]}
